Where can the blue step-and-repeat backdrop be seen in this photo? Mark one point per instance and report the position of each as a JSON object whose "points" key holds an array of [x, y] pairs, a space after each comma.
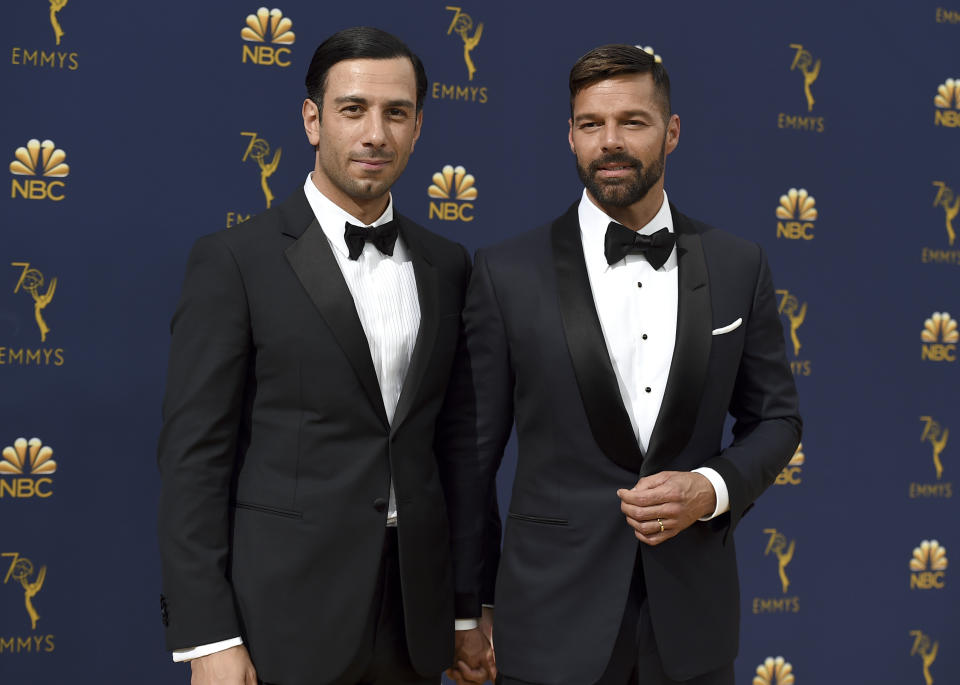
{"points": [[828, 132]]}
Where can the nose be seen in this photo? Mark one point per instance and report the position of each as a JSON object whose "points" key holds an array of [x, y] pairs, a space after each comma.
{"points": [[612, 138], [374, 132]]}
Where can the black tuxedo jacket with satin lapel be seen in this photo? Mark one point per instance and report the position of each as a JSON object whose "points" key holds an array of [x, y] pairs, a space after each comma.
{"points": [[276, 453], [537, 355]]}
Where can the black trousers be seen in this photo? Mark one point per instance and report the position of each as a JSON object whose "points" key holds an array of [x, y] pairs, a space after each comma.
{"points": [[383, 658], [634, 660]]}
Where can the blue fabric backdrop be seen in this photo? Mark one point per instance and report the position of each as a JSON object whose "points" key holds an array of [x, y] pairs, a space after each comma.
{"points": [[171, 124]]}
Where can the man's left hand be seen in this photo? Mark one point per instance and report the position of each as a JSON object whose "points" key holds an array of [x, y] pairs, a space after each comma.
{"points": [[660, 506], [475, 662]]}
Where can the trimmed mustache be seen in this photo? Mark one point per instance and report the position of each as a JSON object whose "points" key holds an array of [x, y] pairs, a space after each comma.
{"points": [[615, 158]]}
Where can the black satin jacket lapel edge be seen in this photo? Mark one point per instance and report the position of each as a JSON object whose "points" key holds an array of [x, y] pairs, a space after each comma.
{"points": [[691, 353], [312, 260], [428, 294], [596, 379]]}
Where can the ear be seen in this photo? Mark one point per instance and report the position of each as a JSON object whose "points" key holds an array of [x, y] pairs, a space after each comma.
{"points": [[673, 133], [416, 131], [311, 121], [570, 136]]}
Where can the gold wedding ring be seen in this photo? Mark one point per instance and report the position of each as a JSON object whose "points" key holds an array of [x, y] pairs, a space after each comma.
{"points": [[661, 524]]}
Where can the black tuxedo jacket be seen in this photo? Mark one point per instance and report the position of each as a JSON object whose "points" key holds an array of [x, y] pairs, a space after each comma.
{"points": [[536, 355], [276, 453]]}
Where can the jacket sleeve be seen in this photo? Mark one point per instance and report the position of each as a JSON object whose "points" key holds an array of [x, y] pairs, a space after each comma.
{"points": [[207, 374], [764, 405], [479, 424]]}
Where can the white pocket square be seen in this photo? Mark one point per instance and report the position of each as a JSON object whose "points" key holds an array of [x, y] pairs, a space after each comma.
{"points": [[729, 327]]}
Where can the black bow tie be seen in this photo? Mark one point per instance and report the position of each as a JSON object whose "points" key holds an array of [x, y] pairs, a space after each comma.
{"points": [[383, 237], [621, 241]]}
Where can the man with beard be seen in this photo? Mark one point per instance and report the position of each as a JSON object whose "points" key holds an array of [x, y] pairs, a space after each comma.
{"points": [[618, 338]]}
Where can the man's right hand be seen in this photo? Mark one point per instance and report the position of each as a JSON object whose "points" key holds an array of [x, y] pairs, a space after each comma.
{"points": [[230, 667]]}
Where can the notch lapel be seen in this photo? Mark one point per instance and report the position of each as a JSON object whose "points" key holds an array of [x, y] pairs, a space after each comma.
{"points": [[691, 353], [312, 260], [428, 293], [596, 379]]}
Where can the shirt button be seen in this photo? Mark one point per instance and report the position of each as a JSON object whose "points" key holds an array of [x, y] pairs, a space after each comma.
{"points": [[644, 336], [639, 284], [647, 389]]}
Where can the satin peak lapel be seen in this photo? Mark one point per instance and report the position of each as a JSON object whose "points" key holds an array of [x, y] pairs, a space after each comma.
{"points": [[428, 294], [312, 260], [691, 353], [596, 379]]}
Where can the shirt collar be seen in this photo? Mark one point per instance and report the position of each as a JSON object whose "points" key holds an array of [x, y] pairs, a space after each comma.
{"points": [[332, 218], [594, 222]]}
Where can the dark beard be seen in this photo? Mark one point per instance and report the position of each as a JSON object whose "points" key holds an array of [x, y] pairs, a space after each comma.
{"points": [[622, 192]]}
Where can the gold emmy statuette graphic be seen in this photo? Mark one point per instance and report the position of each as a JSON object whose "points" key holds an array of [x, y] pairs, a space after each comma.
{"points": [[258, 149], [455, 181], [929, 556], [279, 27], [803, 61], [28, 160], [927, 652], [55, 7], [940, 328], [30, 454], [937, 437], [778, 545], [796, 313], [774, 671], [797, 459], [462, 24], [31, 280], [20, 570], [946, 196]]}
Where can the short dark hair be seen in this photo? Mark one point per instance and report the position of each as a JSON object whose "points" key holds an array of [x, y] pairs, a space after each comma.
{"points": [[359, 42], [616, 59]]}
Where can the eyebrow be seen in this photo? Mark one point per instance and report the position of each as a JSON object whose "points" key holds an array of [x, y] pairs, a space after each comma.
{"points": [[360, 100], [628, 114]]}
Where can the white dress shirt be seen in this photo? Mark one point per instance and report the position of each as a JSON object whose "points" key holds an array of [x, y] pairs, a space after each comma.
{"points": [[384, 291], [637, 308]]}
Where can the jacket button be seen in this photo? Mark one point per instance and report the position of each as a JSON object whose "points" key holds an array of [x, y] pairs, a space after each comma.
{"points": [[380, 504]]}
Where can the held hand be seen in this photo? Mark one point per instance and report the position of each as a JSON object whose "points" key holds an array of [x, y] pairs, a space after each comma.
{"points": [[660, 506], [474, 660], [230, 667]]}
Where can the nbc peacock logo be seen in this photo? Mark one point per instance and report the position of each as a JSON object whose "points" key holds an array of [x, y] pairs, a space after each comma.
{"points": [[267, 26], [33, 165], [791, 473], [26, 468], [947, 104], [650, 51], [928, 563], [774, 671], [796, 212], [940, 337], [456, 189]]}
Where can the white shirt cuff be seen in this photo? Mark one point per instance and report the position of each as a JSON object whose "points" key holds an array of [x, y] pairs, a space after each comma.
{"points": [[204, 650], [719, 487], [466, 623]]}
